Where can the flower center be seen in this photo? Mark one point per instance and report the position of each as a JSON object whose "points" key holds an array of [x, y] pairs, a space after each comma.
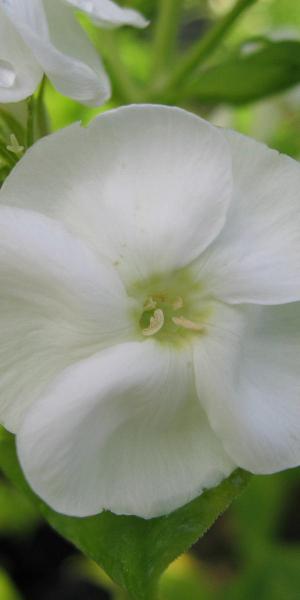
{"points": [[166, 309], [172, 308]]}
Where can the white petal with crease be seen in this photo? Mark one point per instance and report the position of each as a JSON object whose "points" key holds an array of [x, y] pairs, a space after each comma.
{"points": [[148, 186], [247, 374], [58, 304], [20, 73], [123, 431], [257, 256], [61, 48]]}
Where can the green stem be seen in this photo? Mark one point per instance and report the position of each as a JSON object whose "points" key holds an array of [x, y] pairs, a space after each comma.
{"points": [[41, 112], [37, 121], [202, 49], [30, 121], [166, 31], [10, 158], [124, 87]]}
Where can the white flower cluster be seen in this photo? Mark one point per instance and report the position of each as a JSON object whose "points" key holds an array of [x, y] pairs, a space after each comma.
{"points": [[43, 36], [149, 311]]}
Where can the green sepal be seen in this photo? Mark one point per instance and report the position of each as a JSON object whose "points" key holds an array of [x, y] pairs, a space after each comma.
{"points": [[134, 552]]}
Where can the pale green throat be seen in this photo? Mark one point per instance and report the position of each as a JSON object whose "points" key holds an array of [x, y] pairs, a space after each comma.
{"points": [[172, 307]]}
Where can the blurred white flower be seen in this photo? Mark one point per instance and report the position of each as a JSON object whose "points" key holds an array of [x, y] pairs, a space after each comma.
{"points": [[106, 13], [43, 36], [149, 310]]}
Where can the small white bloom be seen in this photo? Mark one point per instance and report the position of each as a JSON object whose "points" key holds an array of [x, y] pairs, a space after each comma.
{"points": [[149, 310], [43, 36]]}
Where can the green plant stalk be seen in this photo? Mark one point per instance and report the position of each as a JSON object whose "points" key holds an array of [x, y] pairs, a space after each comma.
{"points": [[30, 121], [105, 42], [125, 87], [165, 33], [40, 110], [202, 49]]}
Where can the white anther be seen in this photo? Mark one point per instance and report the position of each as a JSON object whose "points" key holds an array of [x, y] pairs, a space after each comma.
{"points": [[156, 323], [187, 324]]}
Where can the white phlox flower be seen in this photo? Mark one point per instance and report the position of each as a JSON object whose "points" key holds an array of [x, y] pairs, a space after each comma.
{"points": [[43, 36], [149, 310]]}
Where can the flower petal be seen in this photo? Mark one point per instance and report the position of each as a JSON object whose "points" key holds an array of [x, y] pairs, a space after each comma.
{"points": [[248, 380], [148, 186], [121, 431], [20, 73], [106, 13], [61, 48], [257, 256], [58, 304]]}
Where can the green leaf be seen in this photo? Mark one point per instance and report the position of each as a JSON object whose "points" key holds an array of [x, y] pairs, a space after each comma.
{"points": [[267, 68], [134, 552]]}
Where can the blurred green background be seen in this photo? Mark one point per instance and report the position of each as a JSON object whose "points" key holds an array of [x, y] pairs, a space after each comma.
{"points": [[253, 551]]}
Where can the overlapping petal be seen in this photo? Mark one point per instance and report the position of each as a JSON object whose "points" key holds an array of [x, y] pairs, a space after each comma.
{"points": [[121, 430], [257, 256], [20, 73], [156, 183], [247, 373], [144, 191], [106, 13], [61, 48], [58, 304]]}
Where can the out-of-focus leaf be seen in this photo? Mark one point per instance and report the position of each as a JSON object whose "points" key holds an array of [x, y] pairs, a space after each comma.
{"points": [[186, 579], [276, 576], [284, 14], [256, 514], [7, 589], [81, 567], [63, 111], [134, 552], [267, 68], [17, 513]]}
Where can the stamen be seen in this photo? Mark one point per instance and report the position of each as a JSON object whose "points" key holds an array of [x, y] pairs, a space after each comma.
{"points": [[150, 304], [14, 145], [187, 324], [178, 303], [156, 323]]}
